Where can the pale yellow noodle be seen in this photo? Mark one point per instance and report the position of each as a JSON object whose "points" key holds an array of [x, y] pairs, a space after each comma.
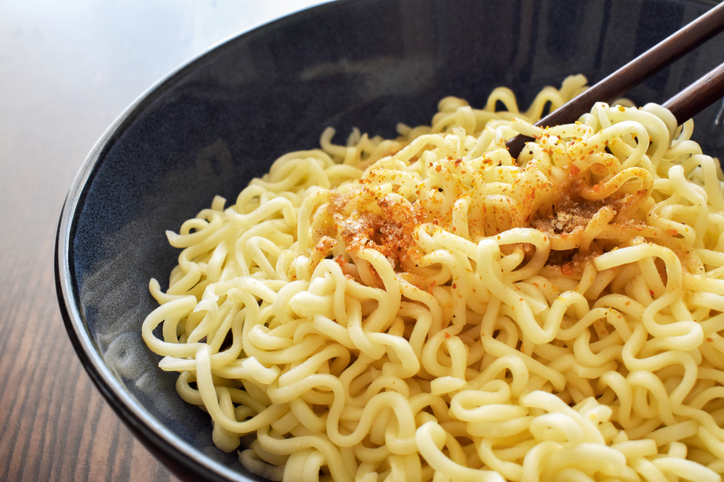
{"points": [[430, 308]]}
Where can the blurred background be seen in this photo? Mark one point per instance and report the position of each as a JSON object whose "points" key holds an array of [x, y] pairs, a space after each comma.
{"points": [[67, 70]]}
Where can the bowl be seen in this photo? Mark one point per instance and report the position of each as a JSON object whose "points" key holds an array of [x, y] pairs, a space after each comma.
{"points": [[221, 120]]}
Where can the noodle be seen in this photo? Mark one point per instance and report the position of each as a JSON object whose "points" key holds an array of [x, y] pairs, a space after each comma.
{"points": [[429, 308]]}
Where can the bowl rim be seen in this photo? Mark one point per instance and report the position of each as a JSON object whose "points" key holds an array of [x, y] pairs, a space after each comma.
{"points": [[180, 457]]}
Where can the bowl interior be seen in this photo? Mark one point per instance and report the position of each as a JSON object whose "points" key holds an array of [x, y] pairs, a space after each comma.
{"points": [[212, 126]]}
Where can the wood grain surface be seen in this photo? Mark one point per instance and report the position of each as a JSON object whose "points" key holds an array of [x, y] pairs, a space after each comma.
{"points": [[67, 70]]}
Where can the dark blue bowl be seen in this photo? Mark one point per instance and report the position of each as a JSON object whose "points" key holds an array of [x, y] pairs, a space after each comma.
{"points": [[219, 121]]}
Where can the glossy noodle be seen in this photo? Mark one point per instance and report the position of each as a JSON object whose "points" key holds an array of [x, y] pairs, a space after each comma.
{"points": [[429, 308]]}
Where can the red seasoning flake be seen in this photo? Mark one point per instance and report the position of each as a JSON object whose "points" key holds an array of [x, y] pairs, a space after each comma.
{"points": [[340, 261], [386, 224]]}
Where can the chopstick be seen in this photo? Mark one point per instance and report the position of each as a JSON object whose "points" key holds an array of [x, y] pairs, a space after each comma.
{"points": [[639, 69], [695, 98]]}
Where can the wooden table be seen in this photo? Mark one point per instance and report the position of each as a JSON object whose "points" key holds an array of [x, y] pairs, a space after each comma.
{"points": [[67, 70]]}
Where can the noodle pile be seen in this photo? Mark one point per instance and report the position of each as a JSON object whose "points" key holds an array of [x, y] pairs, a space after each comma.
{"points": [[429, 308]]}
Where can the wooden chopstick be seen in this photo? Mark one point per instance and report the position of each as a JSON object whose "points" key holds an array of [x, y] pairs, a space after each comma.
{"points": [[699, 95], [633, 73]]}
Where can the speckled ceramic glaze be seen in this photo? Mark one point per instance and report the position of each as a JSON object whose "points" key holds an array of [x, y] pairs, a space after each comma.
{"points": [[221, 120]]}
